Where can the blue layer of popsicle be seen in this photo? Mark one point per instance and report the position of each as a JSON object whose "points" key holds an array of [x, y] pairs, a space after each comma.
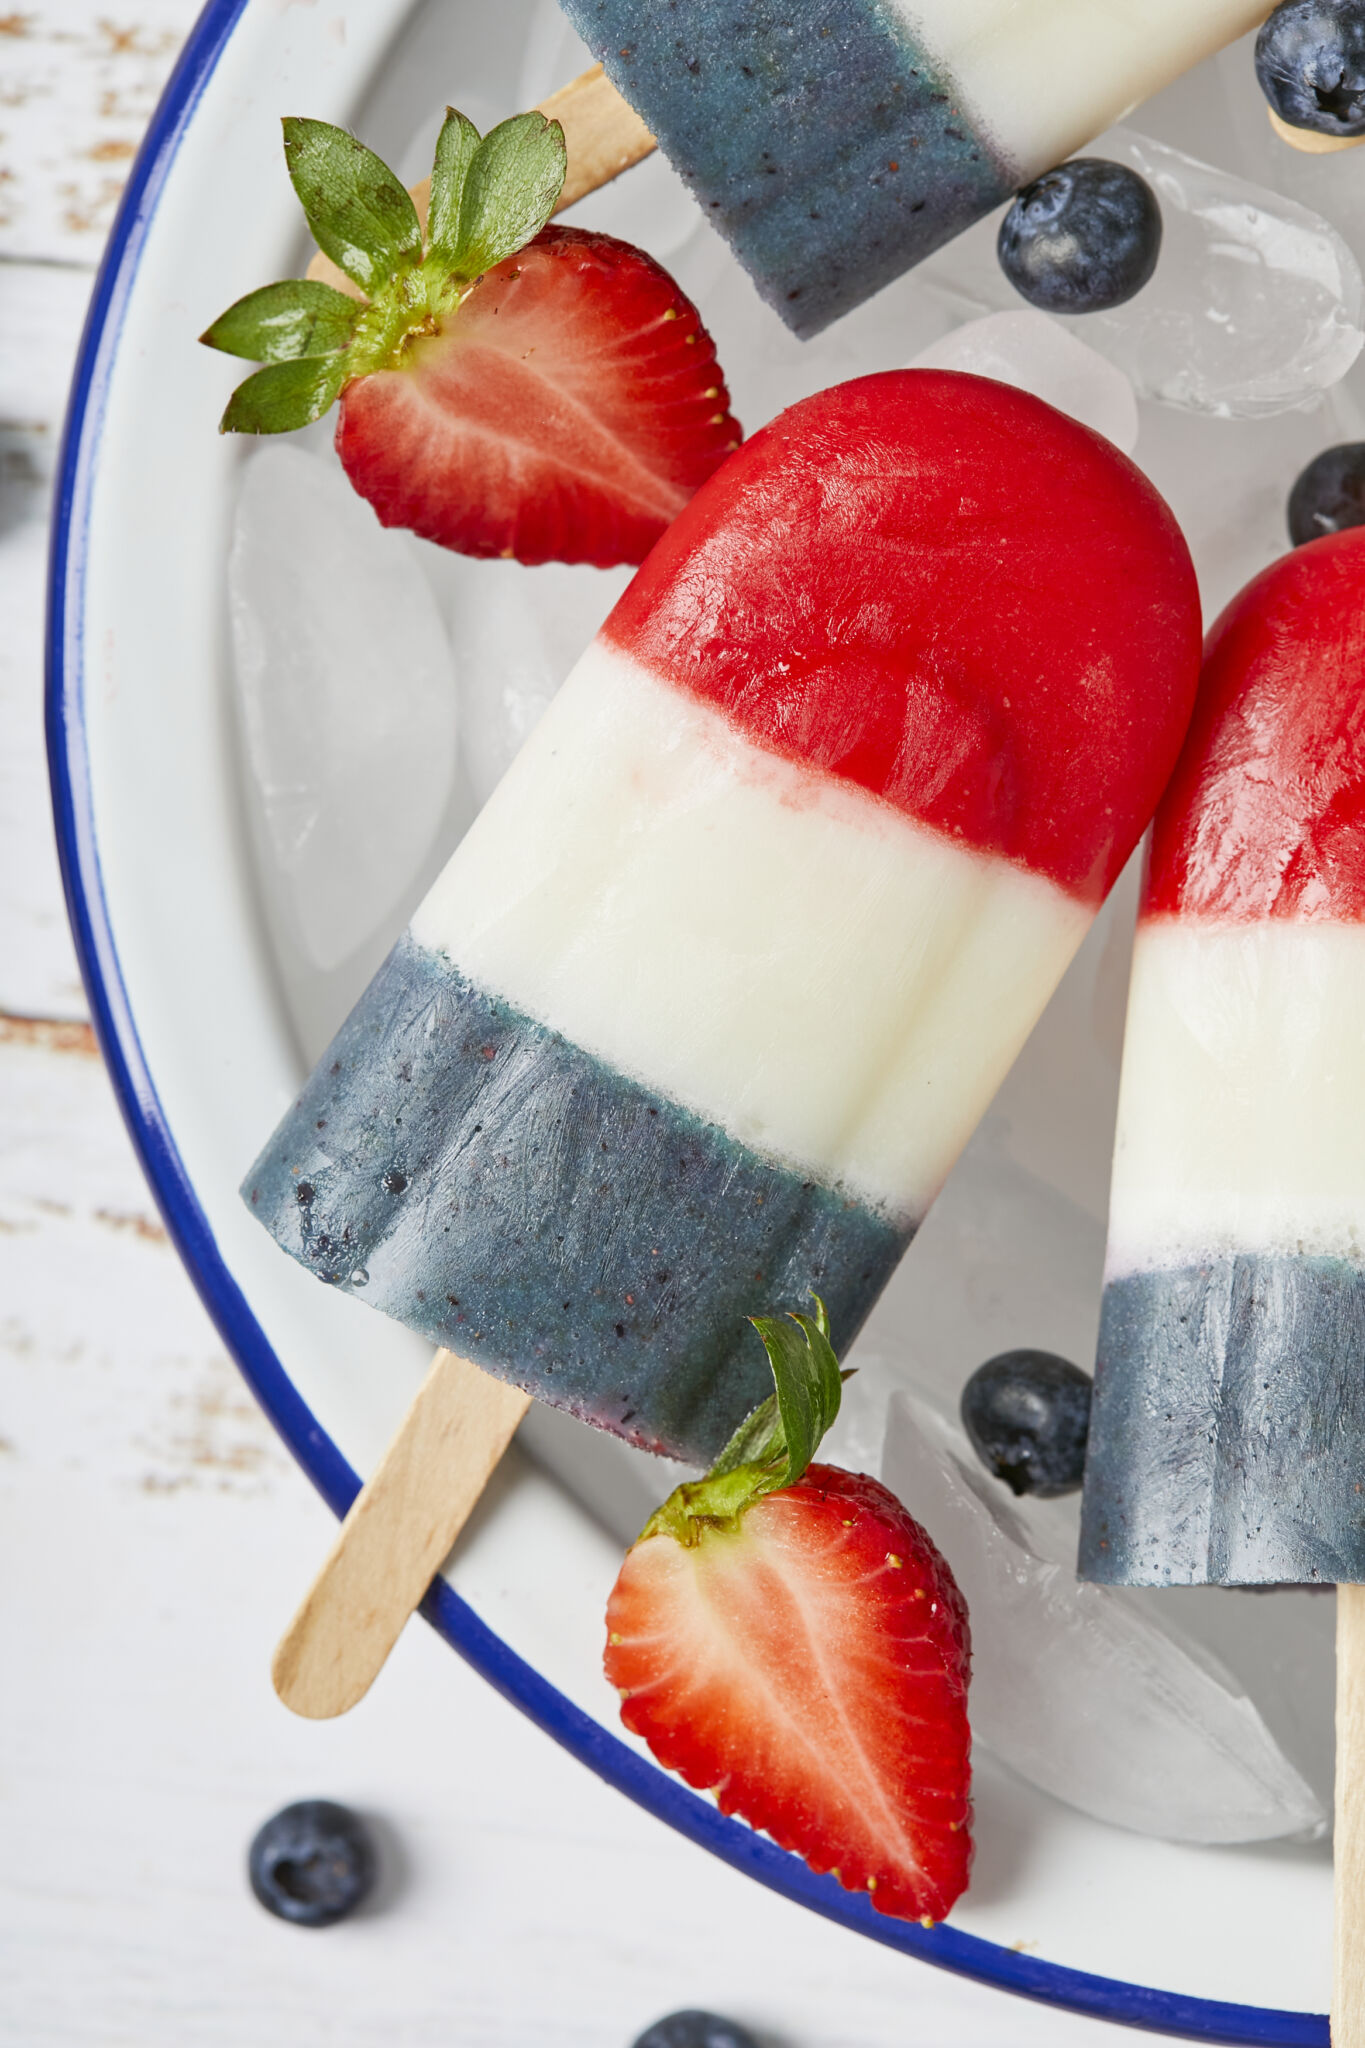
{"points": [[486, 1182]]}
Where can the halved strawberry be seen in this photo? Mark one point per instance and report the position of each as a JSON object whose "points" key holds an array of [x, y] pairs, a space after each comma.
{"points": [[566, 410], [506, 388], [802, 1651]]}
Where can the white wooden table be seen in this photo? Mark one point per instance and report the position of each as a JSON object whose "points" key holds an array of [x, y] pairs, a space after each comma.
{"points": [[155, 1534]]}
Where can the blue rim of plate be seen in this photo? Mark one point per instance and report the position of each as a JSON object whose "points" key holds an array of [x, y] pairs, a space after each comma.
{"points": [[967, 1955]]}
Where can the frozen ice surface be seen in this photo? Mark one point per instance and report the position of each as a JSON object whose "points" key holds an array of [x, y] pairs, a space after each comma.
{"points": [[1087, 1691], [1256, 306], [516, 633], [1280, 1643], [1261, 305], [1038, 354], [347, 697]]}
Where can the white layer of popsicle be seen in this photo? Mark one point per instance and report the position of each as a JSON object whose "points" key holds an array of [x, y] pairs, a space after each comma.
{"points": [[1241, 1121], [643, 871], [1041, 79]]}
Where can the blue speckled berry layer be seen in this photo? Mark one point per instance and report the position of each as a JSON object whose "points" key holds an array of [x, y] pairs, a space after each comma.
{"points": [[821, 141], [1227, 1432], [484, 1181]]}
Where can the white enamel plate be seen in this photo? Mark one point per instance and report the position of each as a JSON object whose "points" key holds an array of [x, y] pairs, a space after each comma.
{"points": [[185, 993]]}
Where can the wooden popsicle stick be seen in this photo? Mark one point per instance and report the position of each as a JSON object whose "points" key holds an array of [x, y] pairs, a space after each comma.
{"points": [[401, 1526], [603, 135], [1348, 1850], [1309, 140]]}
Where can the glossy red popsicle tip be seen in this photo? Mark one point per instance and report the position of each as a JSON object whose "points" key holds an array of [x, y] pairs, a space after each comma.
{"points": [[942, 590]]}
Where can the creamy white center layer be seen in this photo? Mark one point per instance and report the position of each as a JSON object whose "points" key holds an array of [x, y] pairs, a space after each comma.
{"points": [[836, 986], [1241, 1123], [1041, 77]]}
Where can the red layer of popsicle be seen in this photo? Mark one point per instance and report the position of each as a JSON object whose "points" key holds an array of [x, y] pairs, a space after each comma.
{"points": [[1265, 813], [1043, 733]]}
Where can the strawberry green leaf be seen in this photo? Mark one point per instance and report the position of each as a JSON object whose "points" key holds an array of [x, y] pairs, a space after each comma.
{"points": [[775, 1443], [806, 1377], [809, 1384], [282, 322], [285, 396], [510, 188], [456, 146], [359, 213]]}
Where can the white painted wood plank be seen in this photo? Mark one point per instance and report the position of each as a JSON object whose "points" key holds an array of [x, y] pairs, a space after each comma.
{"points": [[78, 80], [41, 310], [38, 973], [42, 307]]}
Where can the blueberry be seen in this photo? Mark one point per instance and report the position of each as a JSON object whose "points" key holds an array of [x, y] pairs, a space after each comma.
{"points": [[695, 2030], [312, 1863], [1081, 238], [1310, 60], [1329, 495], [1028, 1415]]}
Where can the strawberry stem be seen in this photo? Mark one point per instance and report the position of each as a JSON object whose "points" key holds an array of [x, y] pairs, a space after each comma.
{"points": [[775, 1443]]}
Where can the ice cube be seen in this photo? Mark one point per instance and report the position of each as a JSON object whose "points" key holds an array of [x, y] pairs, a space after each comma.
{"points": [[516, 632], [1041, 355], [347, 696], [1257, 303], [1280, 1642], [1092, 1693], [1332, 184]]}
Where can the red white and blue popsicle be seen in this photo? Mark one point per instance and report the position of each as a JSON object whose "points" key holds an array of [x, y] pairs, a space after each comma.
{"points": [[706, 1004], [1227, 1437], [836, 145]]}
